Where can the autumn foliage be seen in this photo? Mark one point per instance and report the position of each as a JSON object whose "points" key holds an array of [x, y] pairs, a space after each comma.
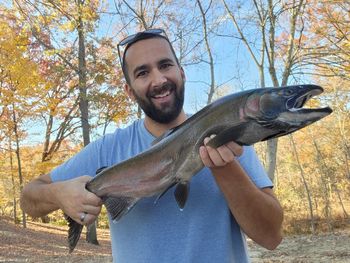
{"points": [[41, 88]]}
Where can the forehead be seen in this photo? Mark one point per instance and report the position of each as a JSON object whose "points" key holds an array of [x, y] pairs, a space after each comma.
{"points": [[148, 51]]}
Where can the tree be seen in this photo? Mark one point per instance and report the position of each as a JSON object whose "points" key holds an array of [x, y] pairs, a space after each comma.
{"points": [[209, 51], [278, 45], [75, 20], [20, 85], [328, 44]]}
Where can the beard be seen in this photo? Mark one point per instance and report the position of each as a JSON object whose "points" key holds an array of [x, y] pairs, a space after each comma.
{"points": [[165, 113]]}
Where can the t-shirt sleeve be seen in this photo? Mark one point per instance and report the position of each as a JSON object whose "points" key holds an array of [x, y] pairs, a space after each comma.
{"points": [[253, 167], [86, 162]]}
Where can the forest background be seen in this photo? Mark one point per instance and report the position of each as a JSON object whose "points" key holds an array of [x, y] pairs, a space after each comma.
{"points": [[61, 86]]}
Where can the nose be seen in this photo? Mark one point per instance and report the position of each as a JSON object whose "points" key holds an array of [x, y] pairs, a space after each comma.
{"points": [[158, 78]]}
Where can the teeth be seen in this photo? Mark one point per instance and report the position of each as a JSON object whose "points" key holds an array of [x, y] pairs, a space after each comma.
{"points": [[162, 95]]}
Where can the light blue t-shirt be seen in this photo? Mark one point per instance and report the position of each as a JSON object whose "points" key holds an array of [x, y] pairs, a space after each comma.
{"points": [[205, 231]]}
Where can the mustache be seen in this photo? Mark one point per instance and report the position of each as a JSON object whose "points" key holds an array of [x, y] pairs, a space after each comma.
{"points": [[164, 88]]}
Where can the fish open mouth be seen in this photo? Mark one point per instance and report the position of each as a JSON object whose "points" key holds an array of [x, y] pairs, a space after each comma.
{"points": [[295, 115], [297, 102]]}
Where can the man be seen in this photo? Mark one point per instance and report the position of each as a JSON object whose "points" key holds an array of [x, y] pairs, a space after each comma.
{"points": [[231, 196]]}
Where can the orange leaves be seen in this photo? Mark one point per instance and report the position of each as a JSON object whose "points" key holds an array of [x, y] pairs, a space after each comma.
{"points": [[329, 28]]}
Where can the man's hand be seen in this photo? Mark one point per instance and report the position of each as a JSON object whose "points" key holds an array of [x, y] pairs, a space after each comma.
{"points": [[77, 202], [257, 211], [220, 156]]}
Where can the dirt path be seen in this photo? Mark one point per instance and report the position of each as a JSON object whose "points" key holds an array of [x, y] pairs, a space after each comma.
{"points": [[47, 243], [323, 248]]}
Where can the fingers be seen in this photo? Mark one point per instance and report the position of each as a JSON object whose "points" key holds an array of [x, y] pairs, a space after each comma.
{"points": [[220, 156], [77, 202], [86, 218], [235, 148], [203, 152], [88, 214], [92, 210], [92, 199]]}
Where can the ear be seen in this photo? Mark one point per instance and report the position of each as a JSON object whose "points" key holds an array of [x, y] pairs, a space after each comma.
{"points": [[182, 72], [129, 91]]}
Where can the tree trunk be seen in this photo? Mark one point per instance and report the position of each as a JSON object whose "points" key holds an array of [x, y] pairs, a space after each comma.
{"points": [[295, 13], [325, 185], [211, 60], [308, 193], [83, 101], [20, 176], [91, 236], [271, 158], [13, 183]]}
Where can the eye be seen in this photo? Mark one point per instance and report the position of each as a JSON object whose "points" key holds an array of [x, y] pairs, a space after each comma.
{"points": [[165, 65], [288, 92], [141, 73]]}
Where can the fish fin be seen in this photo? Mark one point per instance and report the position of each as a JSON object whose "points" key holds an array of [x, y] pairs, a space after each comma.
{"points": [[74, 232], [119, 206], [161, 137], [166, 134], [101, 169], [229, 134], [181, 194], [276, 135], [162, 193]]}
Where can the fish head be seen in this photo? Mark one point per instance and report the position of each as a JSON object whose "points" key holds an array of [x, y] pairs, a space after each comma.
{"points": [[282, 108]]}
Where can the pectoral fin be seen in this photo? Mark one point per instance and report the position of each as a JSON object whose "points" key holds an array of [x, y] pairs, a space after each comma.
{"points": [[119, 206], [181, 194], [227, 135]]}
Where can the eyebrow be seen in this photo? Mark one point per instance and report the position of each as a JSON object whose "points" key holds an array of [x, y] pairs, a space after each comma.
{"points": [[165, 60], [141, 67]]}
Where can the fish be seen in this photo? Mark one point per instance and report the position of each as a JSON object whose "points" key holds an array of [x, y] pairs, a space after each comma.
{"points": [[245, 117]]}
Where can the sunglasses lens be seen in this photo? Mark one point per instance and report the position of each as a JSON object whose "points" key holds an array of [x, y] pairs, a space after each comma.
{"points": [[133, 38], [127, 40]]}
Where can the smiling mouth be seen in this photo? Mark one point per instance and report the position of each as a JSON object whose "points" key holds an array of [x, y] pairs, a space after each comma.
{"points": [[162, 95]]}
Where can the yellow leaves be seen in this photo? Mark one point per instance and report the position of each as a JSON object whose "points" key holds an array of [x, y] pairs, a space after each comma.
{"points": [[100, 79], [69, 26], [51, 52], [19, 74], [44, 167]]}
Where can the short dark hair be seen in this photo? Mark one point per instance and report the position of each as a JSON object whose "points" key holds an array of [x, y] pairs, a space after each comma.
{"points": [[143, 36]]}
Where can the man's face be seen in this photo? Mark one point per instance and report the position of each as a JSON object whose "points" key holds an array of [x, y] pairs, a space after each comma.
{"points": [[156, 80]]}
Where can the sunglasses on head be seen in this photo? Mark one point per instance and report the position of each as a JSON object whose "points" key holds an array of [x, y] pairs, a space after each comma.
{"points": [[126, 42]]}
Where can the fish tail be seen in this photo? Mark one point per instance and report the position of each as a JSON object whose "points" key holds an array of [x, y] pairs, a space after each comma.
{"points": [[74, 233]]}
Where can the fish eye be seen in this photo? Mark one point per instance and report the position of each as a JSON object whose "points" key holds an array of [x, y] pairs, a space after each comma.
{"points": [[288, 92]]}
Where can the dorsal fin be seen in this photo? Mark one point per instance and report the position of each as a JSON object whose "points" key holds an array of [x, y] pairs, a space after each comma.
{"points": [[166, 134]]}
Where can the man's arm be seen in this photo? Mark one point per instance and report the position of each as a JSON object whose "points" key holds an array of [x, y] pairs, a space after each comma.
{"points": [[257, 211], [41, 196]]}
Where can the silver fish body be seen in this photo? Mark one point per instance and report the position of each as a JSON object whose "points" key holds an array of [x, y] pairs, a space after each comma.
{"points": [[246, 117]]}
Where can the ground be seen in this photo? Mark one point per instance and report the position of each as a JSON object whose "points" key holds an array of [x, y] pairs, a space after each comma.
{"points": [[321, 248], [47, 243]]}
